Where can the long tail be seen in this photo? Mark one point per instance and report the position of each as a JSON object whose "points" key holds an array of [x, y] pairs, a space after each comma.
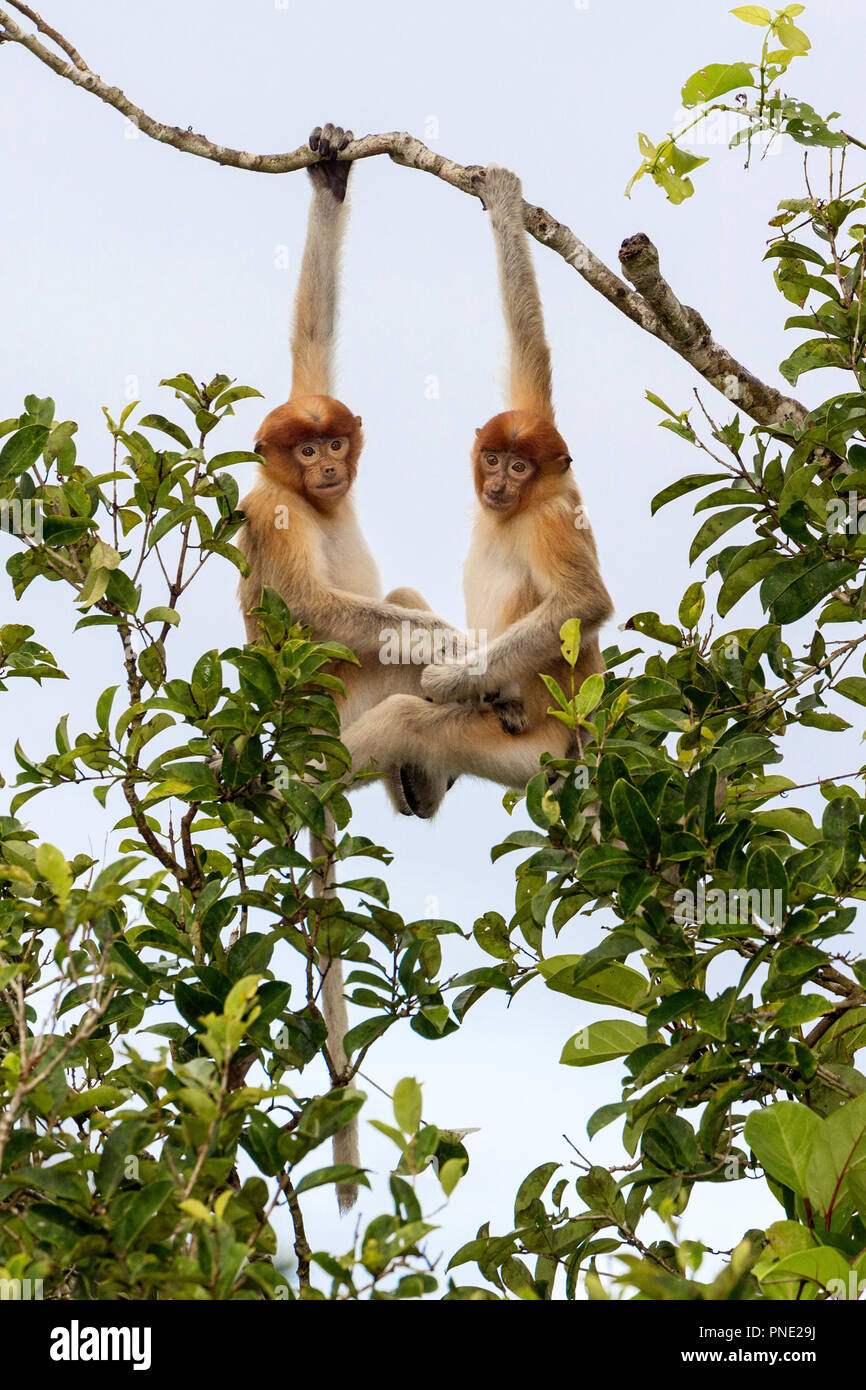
{"points": [[346, 1147], [315, 321], [530, 381]]}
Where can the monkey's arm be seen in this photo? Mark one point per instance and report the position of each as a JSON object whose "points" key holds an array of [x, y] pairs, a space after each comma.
{"points": [[530, 374], [363, 624], [366, 625], [315, 320], [576, 590]]}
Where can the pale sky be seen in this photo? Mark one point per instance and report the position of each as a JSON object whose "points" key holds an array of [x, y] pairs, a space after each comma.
{"points": [[124, 261]]}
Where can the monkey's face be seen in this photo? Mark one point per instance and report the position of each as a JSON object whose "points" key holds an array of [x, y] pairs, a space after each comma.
{"points": [[311, 445], [504, 481], [519, 459], [324, 465]]}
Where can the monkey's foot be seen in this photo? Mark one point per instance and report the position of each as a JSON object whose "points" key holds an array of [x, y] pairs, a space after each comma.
{"points": [[328, 141], [512, 716], [422, 791]]}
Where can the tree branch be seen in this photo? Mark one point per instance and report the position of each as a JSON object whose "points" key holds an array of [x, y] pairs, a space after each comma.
{"points": [[688, 334], [651, 304]]}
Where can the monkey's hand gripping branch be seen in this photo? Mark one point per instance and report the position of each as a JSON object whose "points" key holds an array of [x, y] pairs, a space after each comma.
{"points": [[651, 303]]}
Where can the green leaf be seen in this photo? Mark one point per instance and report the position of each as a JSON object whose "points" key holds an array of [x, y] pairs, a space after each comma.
{"points": [[569, 636], [809, 356], [683, 486], [791, 37], [820, 1266], [234, 393], [839, 1153], [783, 1137], [103, 706], [717, 526], [795, 250], [159, 422], [753, 14], [651, 626], [801, 1009], [531, 1189], [450, 1173], [99, 1098], [601, 1042], [336, 1172], [700, 800], [161, 615], [604, 1116], [615, 983], [853, 688], [132, 1210], [52, 865], [793, 588], [744, 578], [407, 1105], [306, 805], [766, 872], [691, 605], [22, 450], [94, 587], [794, 822], [176, 517], [714, 80], [366, 1032], [635, 821]]}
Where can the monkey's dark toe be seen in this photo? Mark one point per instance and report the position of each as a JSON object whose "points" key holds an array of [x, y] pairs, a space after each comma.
{"points": [[326, 145], [419, 791], [512, 716]]}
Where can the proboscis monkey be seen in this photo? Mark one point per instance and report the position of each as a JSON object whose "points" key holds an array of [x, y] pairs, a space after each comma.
{"points": [[303, 539], [532, 564]]}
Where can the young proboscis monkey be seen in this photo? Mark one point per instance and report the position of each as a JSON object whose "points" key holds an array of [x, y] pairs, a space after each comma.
{"points": [[302, 538], [532, 564]]}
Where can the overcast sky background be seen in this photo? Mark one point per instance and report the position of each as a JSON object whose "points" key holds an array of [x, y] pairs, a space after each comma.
{"points": [[124, 262]]}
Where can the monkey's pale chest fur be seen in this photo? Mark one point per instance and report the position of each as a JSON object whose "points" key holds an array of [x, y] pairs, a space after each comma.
{"points": [[498, 583], [343, 559]]}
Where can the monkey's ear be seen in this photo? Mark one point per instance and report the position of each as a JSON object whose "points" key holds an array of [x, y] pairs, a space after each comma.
{"points": [[566, 462], [259, 447], [477, 432], [358, 421]]}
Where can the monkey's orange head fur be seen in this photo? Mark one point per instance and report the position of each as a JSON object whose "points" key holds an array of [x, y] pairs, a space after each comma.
{"points": [[311, 444], [518, 456]]}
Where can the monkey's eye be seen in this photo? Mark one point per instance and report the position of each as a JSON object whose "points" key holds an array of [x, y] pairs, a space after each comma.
{"points": [[492, 460], [308, 451], [336, 445], [518, 466]]}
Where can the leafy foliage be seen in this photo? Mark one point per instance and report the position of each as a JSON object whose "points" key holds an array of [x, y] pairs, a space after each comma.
{"points": [[121, 1163], [760, 112]]}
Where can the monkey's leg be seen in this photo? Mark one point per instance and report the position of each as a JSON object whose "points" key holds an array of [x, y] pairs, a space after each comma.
{"points": [[408, 598], [412, 786], [449, 740], [345, 1144]]}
